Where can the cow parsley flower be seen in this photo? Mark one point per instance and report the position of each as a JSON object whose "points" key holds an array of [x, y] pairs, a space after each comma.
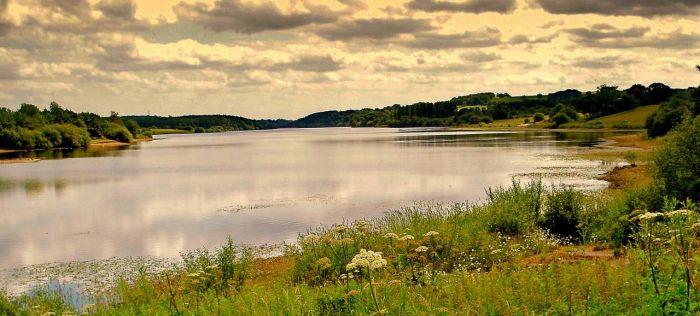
{"points": [[366, 259], [431, 233], [391, 236], [421, 249], [406, 238]]}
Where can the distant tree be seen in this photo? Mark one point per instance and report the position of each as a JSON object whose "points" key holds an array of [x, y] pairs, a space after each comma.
{"points": [[539, 117], [659, 92]]}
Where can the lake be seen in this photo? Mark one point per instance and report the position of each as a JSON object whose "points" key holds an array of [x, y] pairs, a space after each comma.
{"points": [[181, 192]]}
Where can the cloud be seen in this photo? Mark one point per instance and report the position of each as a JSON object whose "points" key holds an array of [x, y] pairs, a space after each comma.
{"points": [[375, 28], [468, 6], [248, 18], [645, 8], [481, 57], [5, 24], [75, 8], [311, 63], [523, 39], [480, 38], [603, 31], [604, 62], [608, 36]]}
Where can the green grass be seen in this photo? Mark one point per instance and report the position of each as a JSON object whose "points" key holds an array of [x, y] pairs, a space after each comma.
{"points": [[164, 131], [632, 119]]}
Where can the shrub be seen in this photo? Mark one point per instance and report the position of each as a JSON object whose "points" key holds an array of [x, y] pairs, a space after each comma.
{"points": [[561, 118], [677, 161], [513, 211], [667, 116], [118, 132], [539, 117], [563, 207]]}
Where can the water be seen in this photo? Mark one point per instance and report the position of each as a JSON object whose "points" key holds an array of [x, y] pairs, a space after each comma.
{"points": [[181, 192]]}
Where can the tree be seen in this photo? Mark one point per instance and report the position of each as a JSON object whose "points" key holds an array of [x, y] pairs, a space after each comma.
{"points": [[677, 161]]}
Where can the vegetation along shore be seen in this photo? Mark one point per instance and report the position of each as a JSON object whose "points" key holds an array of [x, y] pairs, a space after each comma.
{"points": [[528, 249]]}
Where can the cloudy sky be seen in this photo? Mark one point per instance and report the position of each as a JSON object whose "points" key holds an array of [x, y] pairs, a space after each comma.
{"points": [[288, 58]]}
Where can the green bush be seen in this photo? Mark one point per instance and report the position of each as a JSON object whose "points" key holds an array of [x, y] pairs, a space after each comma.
{"points": [[562, 210], [539, 117], [118, 132], [677, 161], [514, 210], [670, 114]]}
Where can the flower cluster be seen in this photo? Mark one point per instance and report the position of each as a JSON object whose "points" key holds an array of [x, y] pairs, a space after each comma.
{"points": [[406, 238], [391, 236], [366, 259], [431, 233]]}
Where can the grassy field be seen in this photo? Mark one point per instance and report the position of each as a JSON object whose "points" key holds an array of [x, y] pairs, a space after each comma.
{"points": [[632, 119]]}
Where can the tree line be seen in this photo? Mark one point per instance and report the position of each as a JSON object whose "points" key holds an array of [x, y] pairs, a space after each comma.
{"points": [[29, 127]]}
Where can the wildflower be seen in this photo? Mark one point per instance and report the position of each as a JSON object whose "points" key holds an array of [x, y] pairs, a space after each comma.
{"points": [[406, 238], [431, 233], [340, 229], [346, 241], [391, 236], [421, 249], [193, 275], [311, 238], [324, 263], [366, 259], [361, 225], [649, 216], [343, 276], [678, 213], [496, 251]]}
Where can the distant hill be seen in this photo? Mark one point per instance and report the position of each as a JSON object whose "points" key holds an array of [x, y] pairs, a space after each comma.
{"points": [[479, 108]]}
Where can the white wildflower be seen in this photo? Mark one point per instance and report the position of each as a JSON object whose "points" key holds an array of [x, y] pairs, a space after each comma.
{"points": [[366, 259], [431, 233], [649, 216], [391, 236], [678, 213], [421, 249], [311, 238], [406, 237]]}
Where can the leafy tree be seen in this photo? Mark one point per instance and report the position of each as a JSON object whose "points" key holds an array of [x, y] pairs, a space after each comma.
{"points": [[677, 161], [538, 117], [669, 115]]}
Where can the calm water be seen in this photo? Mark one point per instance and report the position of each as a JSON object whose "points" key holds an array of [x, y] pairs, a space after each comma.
{"points": [[181, 192]]}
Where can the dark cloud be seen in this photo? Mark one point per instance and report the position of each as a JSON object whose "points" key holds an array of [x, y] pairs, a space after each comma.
{"points": [[608, 36], [523, 39], [607, 31], [481, 57], [469, 6], [373, 28], [646, 8], [117, 9], [605, 62], [248, 18], [481, 38], [310, 63], [5, 24], [76, 8]]}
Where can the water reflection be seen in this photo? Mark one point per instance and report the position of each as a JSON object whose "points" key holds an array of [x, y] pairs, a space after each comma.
{"points": [[185, 191]]}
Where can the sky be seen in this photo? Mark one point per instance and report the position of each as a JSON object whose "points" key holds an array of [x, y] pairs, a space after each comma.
{"points": [[290, 58]]}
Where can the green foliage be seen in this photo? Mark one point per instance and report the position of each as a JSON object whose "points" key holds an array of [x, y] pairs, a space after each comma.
{"points": [[670, 114], [514, 210], [563, 208], [538, 117], [117, 132], [133, 127], [677, 161], [226, 267]]}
